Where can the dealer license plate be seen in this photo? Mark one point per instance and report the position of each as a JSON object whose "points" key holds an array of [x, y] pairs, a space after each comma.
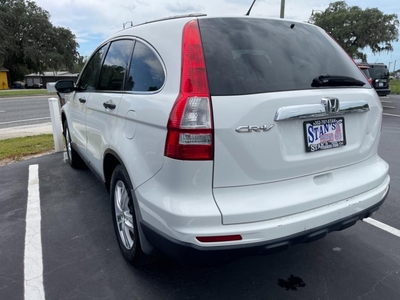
{"points": [[324, 134]]}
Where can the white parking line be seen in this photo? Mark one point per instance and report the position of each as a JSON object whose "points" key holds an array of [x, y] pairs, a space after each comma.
{"points": [[383, 226], [2, 111], [384, 106], [27, 120], [386, 101], [391, 115], [33, 263]]}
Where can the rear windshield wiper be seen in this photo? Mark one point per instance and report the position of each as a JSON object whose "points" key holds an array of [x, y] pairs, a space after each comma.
{"points": [[335, 80]]}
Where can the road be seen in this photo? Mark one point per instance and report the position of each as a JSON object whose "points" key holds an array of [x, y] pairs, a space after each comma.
{"points": [[81, 259], [391, 104], [22, 111]]}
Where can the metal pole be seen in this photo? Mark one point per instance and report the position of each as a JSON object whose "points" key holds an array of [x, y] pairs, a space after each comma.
{"points": [[282, 9], [394, 67]]}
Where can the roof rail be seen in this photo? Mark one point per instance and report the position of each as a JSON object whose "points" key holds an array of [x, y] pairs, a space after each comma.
{"points": [[195, 15]]}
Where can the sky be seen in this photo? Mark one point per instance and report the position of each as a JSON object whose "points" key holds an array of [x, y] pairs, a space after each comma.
{"points": [[93, 20]]}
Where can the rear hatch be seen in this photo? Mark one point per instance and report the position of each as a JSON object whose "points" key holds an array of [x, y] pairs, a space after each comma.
{"points": [[247, 153], [380, 76], [277, 114]]}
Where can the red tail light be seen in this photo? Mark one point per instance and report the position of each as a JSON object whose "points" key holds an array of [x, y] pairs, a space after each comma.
{"points": [[190, 129], [222, 238]]}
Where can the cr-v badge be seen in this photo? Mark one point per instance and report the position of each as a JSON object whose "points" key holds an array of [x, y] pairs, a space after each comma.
{"points": [[255, 128]]}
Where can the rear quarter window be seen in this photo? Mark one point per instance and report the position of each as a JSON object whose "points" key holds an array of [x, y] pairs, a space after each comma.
{"points": [[245, 56], [146, 73]]}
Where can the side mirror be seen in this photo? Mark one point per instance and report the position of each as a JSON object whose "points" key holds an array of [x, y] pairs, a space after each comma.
{"points": [[65, 86]]}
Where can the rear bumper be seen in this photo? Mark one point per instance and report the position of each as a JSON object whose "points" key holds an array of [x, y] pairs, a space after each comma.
{"points": [[193, 254], [383, 92], [175, 210]]}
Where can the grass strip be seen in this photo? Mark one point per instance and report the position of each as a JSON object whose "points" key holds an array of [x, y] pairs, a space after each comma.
{"points": [[16, 148], [22, 92], [394, 85]]}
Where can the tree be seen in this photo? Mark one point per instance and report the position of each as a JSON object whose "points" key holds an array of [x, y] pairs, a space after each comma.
{"points": [[355, 29], [80, 63], [30, 43]]}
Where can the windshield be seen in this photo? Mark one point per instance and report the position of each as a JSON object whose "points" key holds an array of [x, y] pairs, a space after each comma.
{"points": [[249, 55]]}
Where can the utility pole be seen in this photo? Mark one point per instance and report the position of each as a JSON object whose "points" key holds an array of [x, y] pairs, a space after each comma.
{"points": [[394, 68], [282, 9]]}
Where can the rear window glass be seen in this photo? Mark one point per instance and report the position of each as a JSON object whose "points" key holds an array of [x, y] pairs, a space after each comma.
{"points": [[245, 56], [379, 71]]}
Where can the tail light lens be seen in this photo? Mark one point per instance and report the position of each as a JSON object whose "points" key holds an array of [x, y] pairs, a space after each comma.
{"points": [[190, 128], [222, 238]]}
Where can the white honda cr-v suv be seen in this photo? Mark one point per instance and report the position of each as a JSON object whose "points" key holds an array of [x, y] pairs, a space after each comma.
{"points": [[224, 137]]}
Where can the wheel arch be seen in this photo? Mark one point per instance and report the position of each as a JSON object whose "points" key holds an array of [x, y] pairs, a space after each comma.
{"points": [[111, 160]]}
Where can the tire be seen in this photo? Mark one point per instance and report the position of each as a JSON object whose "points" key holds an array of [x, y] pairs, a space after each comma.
{"points": [[124, 218], [73, 157]]}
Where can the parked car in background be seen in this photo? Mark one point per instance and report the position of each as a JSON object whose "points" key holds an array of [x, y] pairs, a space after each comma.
{"points": [[380, 78], [18, 85], [365, 69], [220, 137], [37, 86]]}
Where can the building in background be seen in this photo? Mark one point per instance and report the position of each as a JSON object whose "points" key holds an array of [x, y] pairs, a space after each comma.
{"points": [[36, 80], [4, 79]]}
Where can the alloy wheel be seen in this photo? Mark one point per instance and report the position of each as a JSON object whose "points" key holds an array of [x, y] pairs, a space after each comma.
{"points": [[123, 215]]}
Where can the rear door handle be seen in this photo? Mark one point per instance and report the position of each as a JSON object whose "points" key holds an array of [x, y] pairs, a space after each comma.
{"points": [[109, 104], [82, 100]]}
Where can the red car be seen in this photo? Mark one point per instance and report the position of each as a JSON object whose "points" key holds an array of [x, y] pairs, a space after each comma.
{"points": [[365, 70]]}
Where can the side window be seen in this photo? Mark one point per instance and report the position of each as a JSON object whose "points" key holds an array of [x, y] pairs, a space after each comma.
{"points": [[146, 73], [113, 70], [89, 75]]}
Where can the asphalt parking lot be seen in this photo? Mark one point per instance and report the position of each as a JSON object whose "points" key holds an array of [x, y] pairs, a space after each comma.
{"points": [[81, 259]]}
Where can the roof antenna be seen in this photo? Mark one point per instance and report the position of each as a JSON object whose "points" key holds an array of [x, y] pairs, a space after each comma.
{"points": [[248, 13]]}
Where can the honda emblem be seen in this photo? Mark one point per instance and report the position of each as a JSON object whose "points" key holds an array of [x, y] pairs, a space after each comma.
{"points": [[331, 105]]}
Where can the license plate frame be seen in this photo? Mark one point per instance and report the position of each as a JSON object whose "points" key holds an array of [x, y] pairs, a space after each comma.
{"points": [[333, 134]]}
